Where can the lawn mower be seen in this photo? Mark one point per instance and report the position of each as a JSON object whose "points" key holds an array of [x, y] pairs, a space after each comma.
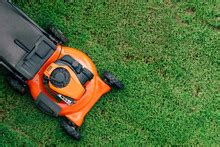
{"points": [[63, 81]]}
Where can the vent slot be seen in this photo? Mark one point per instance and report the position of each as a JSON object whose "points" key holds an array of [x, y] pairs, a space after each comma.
{"points": [[21, 45]]}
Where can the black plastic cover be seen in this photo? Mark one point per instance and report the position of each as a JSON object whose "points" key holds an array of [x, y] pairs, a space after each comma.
{"points": [[46, 105], [24, 47], [83, 74]]}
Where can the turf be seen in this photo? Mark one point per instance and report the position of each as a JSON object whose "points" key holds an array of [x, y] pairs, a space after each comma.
{"points": [[166, 53]]}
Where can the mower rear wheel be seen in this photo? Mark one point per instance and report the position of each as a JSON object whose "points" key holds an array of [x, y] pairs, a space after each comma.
{"points": [[111, 80], [71, 129], [57, 34], [16, 85]]}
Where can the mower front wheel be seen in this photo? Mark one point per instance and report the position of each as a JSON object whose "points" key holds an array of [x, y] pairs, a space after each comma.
{"points": [[71, 129], [112, 81]]}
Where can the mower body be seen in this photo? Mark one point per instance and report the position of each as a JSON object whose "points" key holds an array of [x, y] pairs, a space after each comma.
{"points": [[29, 53], [76, 112]]}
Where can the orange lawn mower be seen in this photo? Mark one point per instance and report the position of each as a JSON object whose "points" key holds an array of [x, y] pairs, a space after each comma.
{"points": [[62, 80]]}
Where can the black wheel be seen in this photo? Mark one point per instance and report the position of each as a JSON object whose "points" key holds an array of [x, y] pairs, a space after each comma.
{"points": [[111, 80], [71, 129], [16, 85], [57, 34]]}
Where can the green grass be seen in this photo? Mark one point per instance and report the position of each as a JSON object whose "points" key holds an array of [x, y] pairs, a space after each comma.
{"points": [[167, 54]]}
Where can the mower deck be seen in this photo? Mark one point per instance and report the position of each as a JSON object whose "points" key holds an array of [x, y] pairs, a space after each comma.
{"points": [[76, 112]]}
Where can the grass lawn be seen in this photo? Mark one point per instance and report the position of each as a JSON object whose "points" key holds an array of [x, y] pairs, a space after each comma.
{"points": [[166, 53]]}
